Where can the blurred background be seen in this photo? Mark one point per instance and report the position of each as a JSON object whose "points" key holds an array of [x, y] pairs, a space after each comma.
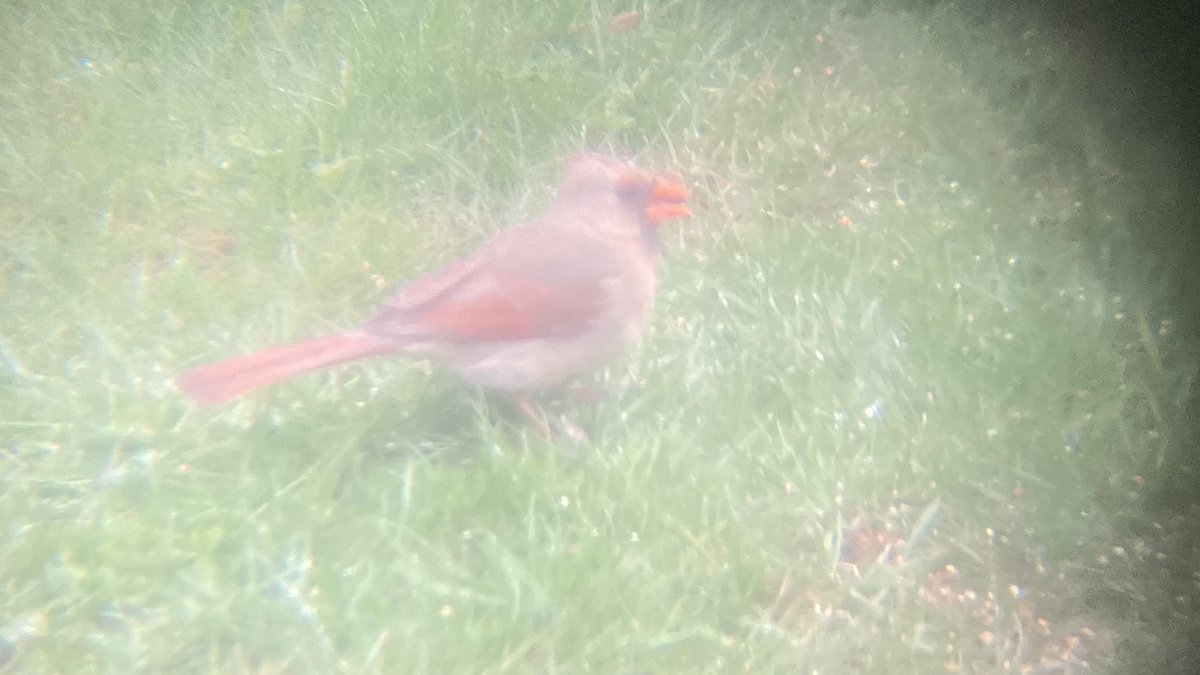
{"points": [[916, 398]]}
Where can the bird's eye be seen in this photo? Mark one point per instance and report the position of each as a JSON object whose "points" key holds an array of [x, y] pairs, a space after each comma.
{"points": [[632, 189]]}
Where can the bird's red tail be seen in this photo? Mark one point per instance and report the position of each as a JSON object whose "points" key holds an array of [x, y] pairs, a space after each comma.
{"points": [[217, 382]]}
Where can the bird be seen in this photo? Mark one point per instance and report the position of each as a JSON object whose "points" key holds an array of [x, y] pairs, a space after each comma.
{"points": [[534, 305]]}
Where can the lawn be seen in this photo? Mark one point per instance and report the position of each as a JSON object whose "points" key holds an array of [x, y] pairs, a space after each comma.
{"points": [[911, 388]]}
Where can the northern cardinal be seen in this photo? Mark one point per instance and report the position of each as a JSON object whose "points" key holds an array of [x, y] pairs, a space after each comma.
{"points": [[532, 306]]}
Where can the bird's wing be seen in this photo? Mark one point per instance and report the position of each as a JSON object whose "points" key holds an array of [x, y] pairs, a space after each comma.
{"points": [[516, 287]]}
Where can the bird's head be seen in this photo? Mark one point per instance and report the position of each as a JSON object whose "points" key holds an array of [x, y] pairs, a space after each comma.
{"points": [[657, 198]]}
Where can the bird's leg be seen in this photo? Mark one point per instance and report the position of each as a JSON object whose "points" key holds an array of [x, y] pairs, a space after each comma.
{"points": [[542, 425], [535, 417], [577, 435]]}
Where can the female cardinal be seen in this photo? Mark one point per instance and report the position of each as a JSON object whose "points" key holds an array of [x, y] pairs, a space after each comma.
{"points": [[534, 305]]}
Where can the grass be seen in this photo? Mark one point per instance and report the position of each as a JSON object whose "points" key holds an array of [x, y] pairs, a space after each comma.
{"points": [[901, 409]]}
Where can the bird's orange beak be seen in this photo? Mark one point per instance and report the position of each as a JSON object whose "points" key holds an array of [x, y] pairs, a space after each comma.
{"points": [[667, 201]]}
